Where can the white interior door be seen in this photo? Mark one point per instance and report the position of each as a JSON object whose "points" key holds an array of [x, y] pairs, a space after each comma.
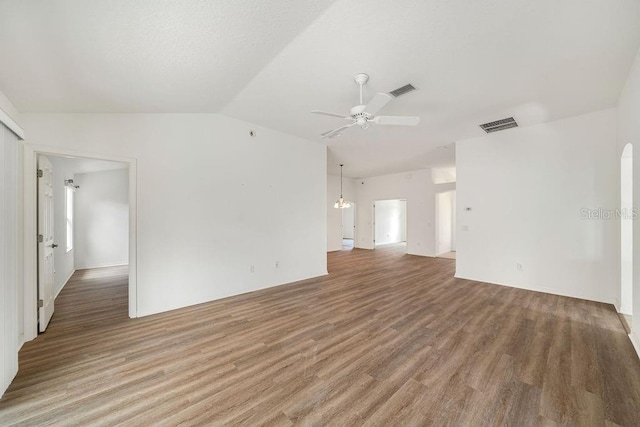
{"points": [[348, 223], [46, 244]]}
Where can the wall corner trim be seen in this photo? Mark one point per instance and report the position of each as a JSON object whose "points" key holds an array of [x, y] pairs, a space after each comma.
{"points": [[11, 124]]}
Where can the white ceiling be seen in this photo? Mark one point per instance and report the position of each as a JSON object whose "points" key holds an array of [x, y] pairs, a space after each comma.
{"points": [[271, 62], [140, 56]]}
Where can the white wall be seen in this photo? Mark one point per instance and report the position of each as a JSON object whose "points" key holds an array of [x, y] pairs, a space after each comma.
{"points": [[334, 216], [63, 260], [526, 188], [443, 175], [390, 221], [418, 190], [628, 127], [211, 201], [101, 219], [11, 223], [9, 262]]}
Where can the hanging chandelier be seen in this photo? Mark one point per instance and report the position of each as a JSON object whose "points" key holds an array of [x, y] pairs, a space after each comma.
{"points": [[341, 203]]}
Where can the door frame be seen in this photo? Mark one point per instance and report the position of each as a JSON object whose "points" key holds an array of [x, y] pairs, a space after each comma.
{"points": [[453, 221], [30, 272], [625, 303]]}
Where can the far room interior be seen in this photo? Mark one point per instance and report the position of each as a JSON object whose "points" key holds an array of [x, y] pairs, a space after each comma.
{"points": [[390, 222], [87, 203], [319, 213], [348, 226]]}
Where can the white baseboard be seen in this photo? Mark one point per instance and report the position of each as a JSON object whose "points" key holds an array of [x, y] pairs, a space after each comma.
{"points": [[64, 283], [636, 343], [121, 264], [616, 305], [542, 289]]}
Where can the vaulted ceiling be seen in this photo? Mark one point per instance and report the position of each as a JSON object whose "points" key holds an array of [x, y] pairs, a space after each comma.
{"points": [[273, 61]]}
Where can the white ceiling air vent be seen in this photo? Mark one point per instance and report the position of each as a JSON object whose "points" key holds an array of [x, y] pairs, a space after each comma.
{"points": [[402, 90], [499, 125]]}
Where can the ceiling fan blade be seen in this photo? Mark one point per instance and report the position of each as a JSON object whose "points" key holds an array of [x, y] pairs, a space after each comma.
{"points": [[324, 113], [335, 132], [377, 103], [396, 120]]}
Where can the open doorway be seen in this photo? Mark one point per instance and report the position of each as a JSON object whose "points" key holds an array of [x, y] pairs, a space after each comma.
{"points": [[30, 296], [446, 224], [626, 233], [83, 229], [348, 227], [390, 222]]}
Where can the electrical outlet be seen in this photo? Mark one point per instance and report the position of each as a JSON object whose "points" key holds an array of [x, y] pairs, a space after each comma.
{"points": [[252, 269]]}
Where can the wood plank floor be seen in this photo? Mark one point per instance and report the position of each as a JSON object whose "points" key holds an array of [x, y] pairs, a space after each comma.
{"points": [[384, 339]]}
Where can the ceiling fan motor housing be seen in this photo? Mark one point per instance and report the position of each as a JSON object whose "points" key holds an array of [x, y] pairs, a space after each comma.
{"points": [[358, 114], [361, 78]]}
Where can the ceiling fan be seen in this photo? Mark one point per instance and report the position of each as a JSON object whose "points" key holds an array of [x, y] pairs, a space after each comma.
{"points": [[363, 115]]}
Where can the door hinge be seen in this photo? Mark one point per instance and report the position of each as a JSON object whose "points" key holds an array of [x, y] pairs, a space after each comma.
{"points": [[40, 238], [40, 173], [40, 303]]}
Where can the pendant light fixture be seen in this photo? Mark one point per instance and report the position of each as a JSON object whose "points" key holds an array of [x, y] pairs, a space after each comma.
{"points": [[341, 203]]}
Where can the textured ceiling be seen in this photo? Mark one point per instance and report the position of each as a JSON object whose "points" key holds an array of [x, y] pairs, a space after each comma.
{"points": [[271, 62], [140, 56]]}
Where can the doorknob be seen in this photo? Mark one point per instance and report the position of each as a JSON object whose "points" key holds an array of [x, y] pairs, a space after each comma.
{"points": [[53, 246]]}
